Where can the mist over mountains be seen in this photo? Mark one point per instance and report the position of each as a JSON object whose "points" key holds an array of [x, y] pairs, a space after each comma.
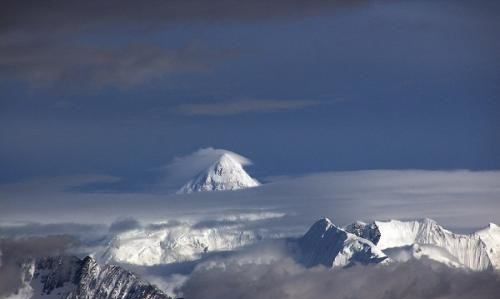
{"points": [[166, 243]]}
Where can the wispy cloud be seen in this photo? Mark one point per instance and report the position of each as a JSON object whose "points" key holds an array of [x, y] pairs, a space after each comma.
{"points": [[234, 107]]}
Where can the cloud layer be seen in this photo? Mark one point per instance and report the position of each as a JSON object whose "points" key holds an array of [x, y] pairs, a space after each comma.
{"points": [[456, 199], [286, 280]]}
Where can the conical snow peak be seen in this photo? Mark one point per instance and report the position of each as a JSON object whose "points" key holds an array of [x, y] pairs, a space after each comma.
{"points": [[226, 173]]}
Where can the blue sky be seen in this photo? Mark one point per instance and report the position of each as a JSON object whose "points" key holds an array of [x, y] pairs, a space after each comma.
{"points": [[297, 89]]}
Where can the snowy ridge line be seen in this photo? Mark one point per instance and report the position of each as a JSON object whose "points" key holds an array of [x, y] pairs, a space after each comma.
{"points": [[323, 244]]}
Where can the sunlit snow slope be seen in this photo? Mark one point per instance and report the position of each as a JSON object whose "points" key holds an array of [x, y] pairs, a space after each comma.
{"points": [[170, 244], [224, 174], [469, 250], [491, 238]]}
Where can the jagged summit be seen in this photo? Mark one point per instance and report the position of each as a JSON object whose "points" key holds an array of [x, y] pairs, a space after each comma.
{"points": [[226, 173], [322, 225], [68, 277], [328, 245]]}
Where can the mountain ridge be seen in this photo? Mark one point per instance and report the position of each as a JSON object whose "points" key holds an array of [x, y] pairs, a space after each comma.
{"points": [[69, 277], [469, 250]]}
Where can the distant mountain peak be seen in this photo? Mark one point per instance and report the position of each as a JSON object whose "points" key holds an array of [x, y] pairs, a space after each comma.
{"points": [[226, 173]]}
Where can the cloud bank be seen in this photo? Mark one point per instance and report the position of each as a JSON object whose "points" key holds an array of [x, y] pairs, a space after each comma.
{"points": [[473, 196], [287, 280]]}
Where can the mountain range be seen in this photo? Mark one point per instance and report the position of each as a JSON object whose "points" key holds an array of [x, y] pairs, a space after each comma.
{"points": [[398, 241], [324, 244]]}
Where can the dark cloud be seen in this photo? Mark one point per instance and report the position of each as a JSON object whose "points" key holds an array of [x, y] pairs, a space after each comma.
{"points": [[71, 41], [123, 66], [244, 106], [286, 280], [73, 14], [13, 252], [123, 225]]}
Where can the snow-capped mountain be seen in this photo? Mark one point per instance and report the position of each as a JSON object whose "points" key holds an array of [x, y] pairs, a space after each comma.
{"points": [[177, 243], [226, 173], [328, 245], [398, 237], [68, 277]]}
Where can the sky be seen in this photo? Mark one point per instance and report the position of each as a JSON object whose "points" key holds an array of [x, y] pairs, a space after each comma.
{"points": [[86, 88]]}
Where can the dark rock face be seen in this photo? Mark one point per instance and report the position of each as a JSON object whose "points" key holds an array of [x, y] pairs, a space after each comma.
{"points": [[367, 231], [328, 245], [321, 244], [72, 278]]}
